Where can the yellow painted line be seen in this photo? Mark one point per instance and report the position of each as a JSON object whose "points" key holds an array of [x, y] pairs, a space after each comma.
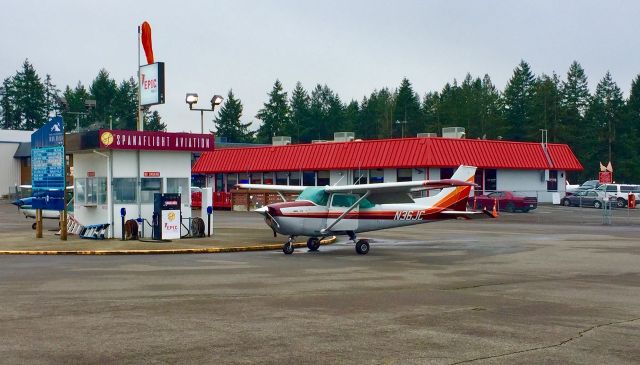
{"points": [[269, 247]]}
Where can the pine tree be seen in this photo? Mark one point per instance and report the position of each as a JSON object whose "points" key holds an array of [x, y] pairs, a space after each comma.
{"points": [[29, 98], [75, 99], [154, 122], [406, 116], [518, 97], [492, 122], [431, 112], [574, 100], [300, 117], [631, 135], [546, 106], [51, 96], [103, 90], [274, 115], [124, 105], [351, 113], [10, 115], [228, 121]]}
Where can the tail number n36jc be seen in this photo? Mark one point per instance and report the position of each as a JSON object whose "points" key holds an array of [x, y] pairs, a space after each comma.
{"points": [[408, 215]]}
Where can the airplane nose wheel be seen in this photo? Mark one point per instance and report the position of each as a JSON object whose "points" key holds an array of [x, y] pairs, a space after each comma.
{"points": [[313, 244], [362, 247], [288, 248]]}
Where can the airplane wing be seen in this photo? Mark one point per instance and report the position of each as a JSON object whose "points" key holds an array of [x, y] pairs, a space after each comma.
{"points": [[280, 188], [398, 187]]}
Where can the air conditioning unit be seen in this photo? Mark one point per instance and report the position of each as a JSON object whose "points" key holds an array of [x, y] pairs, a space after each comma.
{"points": [[453, 132], [280, 140], [344, 136], [427, 135]]}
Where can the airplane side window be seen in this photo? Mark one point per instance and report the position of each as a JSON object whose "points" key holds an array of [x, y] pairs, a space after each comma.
{"points": [[343, 201]]}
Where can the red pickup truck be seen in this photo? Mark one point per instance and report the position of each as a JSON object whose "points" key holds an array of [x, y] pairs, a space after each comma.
{"points": [[507, 201]]}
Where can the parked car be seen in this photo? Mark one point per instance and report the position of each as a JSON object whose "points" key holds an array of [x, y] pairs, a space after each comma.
{"points": [[586, 198], [507, 201], [587, 185], [620, 192]]}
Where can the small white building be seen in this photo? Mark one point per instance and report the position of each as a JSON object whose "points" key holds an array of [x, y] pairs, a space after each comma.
{"points": [[116, 169], [9, 142]]}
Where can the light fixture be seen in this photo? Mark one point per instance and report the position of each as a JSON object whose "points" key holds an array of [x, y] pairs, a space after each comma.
{"points": [[215, 101], [191, 98]]}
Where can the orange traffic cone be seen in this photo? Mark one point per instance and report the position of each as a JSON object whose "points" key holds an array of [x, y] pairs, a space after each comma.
{"points": [[495, 208]]}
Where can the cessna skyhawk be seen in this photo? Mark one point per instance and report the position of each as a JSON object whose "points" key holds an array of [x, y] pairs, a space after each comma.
{"points": [[350, 209]]}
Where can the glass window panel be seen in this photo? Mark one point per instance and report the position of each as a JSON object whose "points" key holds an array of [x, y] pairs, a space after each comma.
{"points": [[403, 175], [148, 187], [376, 176], [181, 186], [294, 178], [281, 178], [309, 178], [124, 190], [80, 189], [323, 178]]}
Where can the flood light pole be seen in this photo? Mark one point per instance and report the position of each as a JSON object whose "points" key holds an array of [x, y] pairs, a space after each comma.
{"points": [[192, 98]]}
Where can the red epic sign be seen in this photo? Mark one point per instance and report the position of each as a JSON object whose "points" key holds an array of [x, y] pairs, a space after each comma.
{"points": [[155, 141]]}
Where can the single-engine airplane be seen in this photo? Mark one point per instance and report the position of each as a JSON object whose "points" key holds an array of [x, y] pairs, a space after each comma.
{"points": [[350, 209]]}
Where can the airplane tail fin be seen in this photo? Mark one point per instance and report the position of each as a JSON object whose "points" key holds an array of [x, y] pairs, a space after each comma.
{"points": [[455, 197]]}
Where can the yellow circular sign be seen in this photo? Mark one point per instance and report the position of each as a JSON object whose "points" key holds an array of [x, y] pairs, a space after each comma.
{"points": [[171, 216], [106, 138]]}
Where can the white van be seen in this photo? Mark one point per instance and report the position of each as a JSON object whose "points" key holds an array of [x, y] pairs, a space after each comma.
{"points": [[621, 192]]}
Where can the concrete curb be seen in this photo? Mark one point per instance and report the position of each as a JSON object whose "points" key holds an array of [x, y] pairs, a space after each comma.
{"points": [[270, 247]]}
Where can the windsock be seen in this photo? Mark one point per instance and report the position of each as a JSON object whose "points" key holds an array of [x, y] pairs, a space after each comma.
{"points": [[602, 168], [146, 42], [609, 167]]}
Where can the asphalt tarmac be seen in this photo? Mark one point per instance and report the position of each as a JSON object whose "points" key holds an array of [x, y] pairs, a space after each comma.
{"points": [[550, 286]]}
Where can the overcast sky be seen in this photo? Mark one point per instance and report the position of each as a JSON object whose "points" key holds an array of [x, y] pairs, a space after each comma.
{"points": [[354, 47]]}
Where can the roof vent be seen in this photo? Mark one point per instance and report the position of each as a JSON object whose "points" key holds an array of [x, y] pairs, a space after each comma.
{"points": [[453, 132], [344, 136], [427, 135], [280, 140]]}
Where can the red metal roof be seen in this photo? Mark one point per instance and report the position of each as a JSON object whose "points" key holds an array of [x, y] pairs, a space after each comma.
{"points": [[389, 153]]}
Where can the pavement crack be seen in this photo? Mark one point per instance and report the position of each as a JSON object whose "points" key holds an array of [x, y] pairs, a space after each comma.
{"points": [[559, 344]]}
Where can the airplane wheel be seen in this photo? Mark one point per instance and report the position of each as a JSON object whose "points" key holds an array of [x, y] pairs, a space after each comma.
{"points": [[362, 247], [33, 226], [313, 244], [287, 248]]}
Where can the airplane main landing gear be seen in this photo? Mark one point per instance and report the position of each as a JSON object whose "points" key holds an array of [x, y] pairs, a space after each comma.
{"points": [[288, 248], [362, 247], [313, 244]]}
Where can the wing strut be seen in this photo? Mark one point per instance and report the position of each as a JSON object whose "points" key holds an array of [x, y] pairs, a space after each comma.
{"points": [[325, 230]]}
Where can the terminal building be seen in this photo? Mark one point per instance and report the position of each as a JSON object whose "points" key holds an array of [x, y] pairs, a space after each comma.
{"points": [[537, 169]]}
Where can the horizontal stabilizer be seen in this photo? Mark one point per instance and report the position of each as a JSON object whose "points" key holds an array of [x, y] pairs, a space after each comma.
{"points": [[469, 214]]}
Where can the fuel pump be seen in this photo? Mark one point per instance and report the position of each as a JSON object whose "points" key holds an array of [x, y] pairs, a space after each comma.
{"points": [[166, 216]]}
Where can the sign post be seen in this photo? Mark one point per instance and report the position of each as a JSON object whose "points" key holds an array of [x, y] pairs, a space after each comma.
{"points": [[48, 171]]}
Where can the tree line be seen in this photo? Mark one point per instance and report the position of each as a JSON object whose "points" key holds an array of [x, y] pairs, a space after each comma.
{"points": [[27, 102], [603, 126]]}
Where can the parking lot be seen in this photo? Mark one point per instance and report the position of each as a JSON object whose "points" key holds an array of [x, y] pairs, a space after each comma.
{"points": [[554, 285]]}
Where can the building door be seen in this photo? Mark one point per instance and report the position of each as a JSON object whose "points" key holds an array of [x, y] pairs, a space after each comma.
{"points": [[339, 204]]}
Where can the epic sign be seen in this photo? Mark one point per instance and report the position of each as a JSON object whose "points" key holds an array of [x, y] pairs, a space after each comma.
{"points": [[152, 84], [155, 141]]}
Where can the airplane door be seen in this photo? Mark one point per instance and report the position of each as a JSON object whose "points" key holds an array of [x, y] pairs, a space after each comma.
{"points": [[339, 204]]}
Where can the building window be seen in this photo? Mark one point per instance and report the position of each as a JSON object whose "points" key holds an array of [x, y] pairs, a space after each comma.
{"points": [[256, 178], [148, 187], [309, 178], [181, 186], [124, 190], [281, 178], [446, 173], [552, 183], [360, 177], [376, 176], [324, 178], [490, 180], [403, 175], [267, 178], [90, 191], [232, 180], [243, 178], [294, 178], [219, 186]]}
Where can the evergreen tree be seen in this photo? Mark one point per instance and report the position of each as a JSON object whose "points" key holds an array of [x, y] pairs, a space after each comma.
{"points": [[449, 106], [154, 122], [228, 121], [518, 98], [631, 135], [274, 115], [546, 106], [51, 96], [406, 116], [492, 122], [75, 99], [300, 113], [10, 115], [604, 116], [431, 113], [351, 113], [574, 99], [30, 100], [103, 90], [325, 114], [124, 105]]}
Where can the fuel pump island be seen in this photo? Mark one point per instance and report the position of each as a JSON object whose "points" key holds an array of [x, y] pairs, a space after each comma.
{"points": [[144, 175]]}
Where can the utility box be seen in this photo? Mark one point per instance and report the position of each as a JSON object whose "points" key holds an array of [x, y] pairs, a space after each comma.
{"points": [[166, 216]]}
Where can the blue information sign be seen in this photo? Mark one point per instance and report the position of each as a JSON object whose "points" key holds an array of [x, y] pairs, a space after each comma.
{"points": [[48, 165]]}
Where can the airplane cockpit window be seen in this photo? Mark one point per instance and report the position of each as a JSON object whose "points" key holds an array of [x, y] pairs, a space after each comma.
{"points": [[315, 195]]}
